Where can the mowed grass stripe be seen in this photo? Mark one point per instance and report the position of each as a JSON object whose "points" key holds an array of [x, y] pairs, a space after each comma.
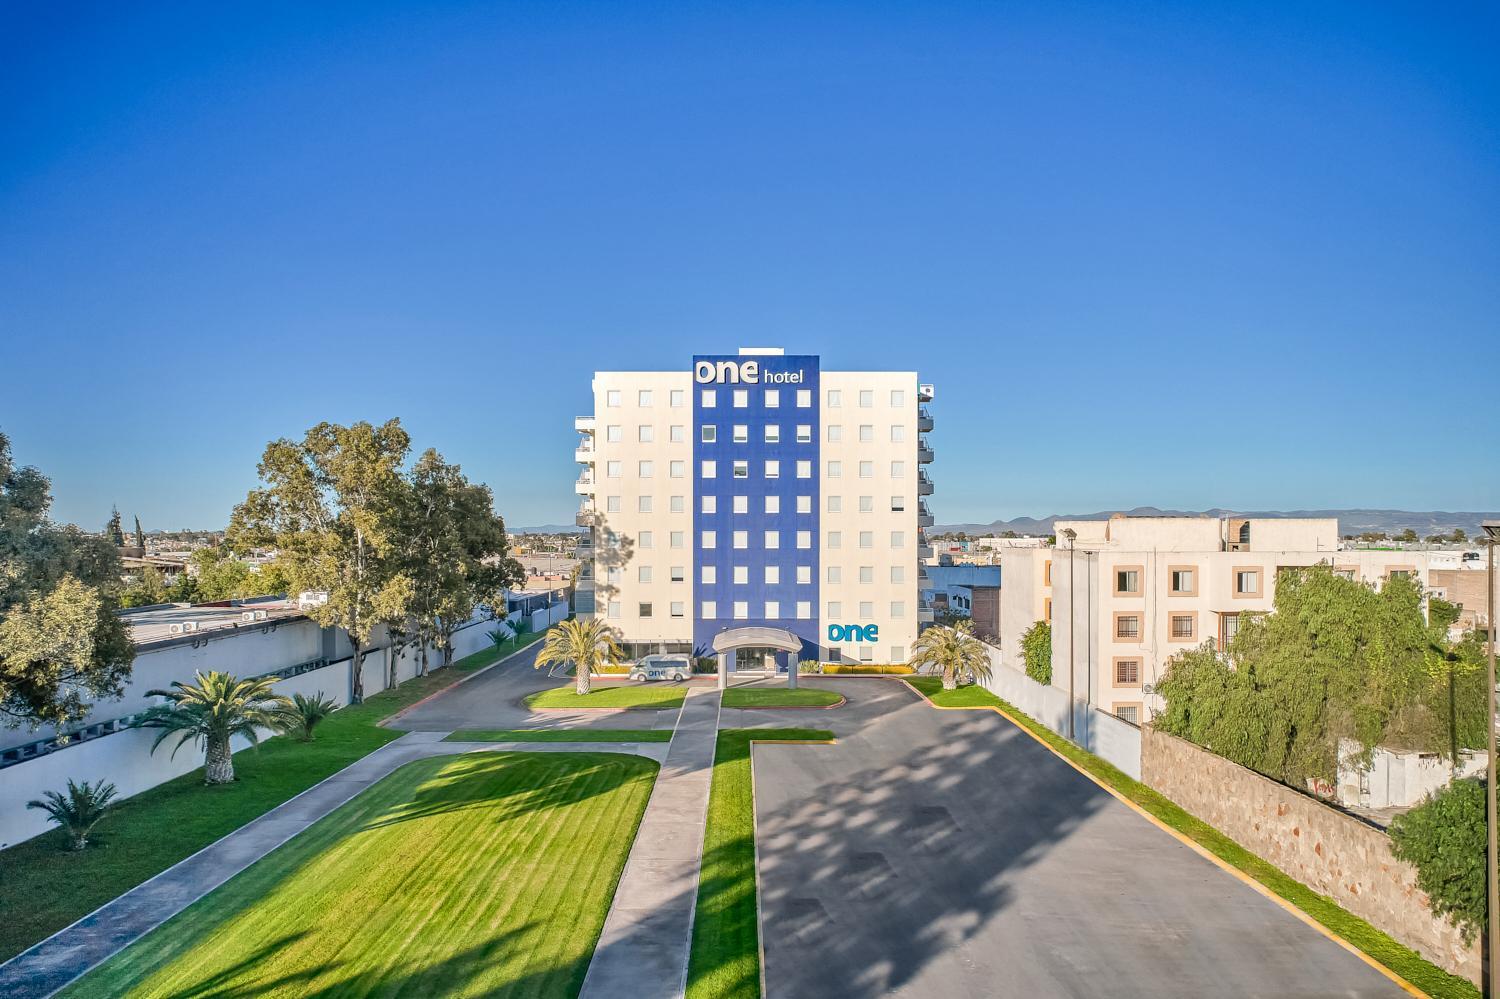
{"points": [[453, 876]]}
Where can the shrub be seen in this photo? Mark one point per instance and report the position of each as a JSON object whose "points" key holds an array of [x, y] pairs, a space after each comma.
{"points": [[307, 712], [611, 669], [877, 670], [78, 811], [1036, 650], [1444, 839], [809, 666]]}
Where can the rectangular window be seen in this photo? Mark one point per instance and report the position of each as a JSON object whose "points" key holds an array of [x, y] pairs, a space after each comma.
{"points": [[898, 433], [612, 398], [614, 610], [773, 398], [898, 573], [773, 433], [773, 609], [835, 398], [1247, 582], [645, 610], [614, 469], [741, 398], [898, 654], [866, 610], [804, 504], [835, 574], [677, 608], [1047, 573], [708, 399], [835, 609], [709, 574], [708, 433], [643, 574], [741, 433], [898, 398], [898, 504], [898, 539], [898, 608], [646, 539], [773, 504], [804, 398], [614, 434], [1229, 626], [804, 575], [804, 469], [677, 434], [867, 470], [898, 469], [741, 610], [835, 539], [643, 504], [676, 539], [866, 398], [677, 469], [742, 504], [867, 539], [710, 469], [804, 433], [804, 539], [835, 504], [678, 574], [1127, 672], [1182, 581], [677, 504], [867, 653], [867, 574], [708, 540], [1128, 581], [835, 469], [611, 504], [867, 504], [644, 469], [645, 433], [677, 398], [866, 433], [804, 609], [1128, 712], [742, 470], [643, 397], [773, 575], [708, 610], [773, 469], [742, 539], [710, 504], [1127, 627], [835, 433], [1184, 627], [742, 575], [773, 539]]}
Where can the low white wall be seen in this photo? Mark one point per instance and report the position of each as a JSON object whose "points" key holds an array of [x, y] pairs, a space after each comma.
{"points": [[1102, 734]]}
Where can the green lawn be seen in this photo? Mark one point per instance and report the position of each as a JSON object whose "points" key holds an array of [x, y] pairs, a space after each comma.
{"points": [[455, 876], [653, 696], [1402, 960], [44, 887], [561, 735], [725, 959], [778, 697]]}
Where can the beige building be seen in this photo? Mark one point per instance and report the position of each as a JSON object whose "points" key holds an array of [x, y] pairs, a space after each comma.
{"points": [[1126, 594]]}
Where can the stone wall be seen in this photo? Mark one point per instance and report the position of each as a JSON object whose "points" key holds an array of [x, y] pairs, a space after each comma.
{"points": [[1331, 852]]}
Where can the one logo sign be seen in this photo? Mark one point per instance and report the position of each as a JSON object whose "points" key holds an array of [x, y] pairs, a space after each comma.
{"points": [[867, 634], [742, 373]]}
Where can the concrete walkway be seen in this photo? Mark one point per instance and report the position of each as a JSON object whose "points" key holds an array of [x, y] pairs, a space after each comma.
{"points": [[74, 950], [643, 949]]}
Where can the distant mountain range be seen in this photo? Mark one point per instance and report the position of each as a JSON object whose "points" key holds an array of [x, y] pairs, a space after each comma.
{"points": [[1350, 521]]}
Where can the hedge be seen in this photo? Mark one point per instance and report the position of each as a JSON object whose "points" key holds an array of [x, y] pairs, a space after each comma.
{"points": [[885, 670]]}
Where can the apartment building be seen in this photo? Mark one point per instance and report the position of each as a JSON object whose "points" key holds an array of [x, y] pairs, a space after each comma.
{"points": [[757, 490], [1126, 594]]}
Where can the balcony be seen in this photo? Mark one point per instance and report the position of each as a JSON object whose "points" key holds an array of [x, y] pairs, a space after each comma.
{"points": [[924, 393], [924, 613], [584, 455], [583, 424], [924, 485], [924, 516], [924, 551], [585, 516], [585, 549], [924, 453], [924, 420], [585, 485]]}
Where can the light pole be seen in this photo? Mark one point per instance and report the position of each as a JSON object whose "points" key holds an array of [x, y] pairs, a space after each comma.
{"points": [[1072, 536], [1492, 532]]}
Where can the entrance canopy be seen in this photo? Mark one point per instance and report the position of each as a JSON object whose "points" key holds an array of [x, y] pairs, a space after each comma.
{"points": [[757, 638]]}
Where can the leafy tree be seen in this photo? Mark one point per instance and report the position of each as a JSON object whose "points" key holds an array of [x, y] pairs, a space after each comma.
{"points": [[330, 507], [1409, 535], [214, 710], [78, 811], [113, 531], [1036, 650], [952, 651], [1444, 839], [149, 589], [307, 712], [140, 535], [1459, 535], [61, 643], [587, 644]]}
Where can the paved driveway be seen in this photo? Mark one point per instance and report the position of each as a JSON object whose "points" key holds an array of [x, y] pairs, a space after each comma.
{"points": [[947, 854]]}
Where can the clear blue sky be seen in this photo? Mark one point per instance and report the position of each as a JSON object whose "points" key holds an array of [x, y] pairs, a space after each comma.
{"points": [[1275, 226]]}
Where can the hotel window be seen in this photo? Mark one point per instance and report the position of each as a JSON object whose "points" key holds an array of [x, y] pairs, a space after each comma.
{"points": [[742, 504], [741, 398], [898, 539], [804, 433], [741, 433], [835, 539], [1128, 581], [1128, 627], [804, 539], [773, 575], [773, 398], [898, 573], [866, 610], [741, 610], [708, 540], [867, 539], [773, 539], [677, 608], [1395, 573], [804, 398], [804, 469], [804, 609], [643, 504], [866, 504], [709, 574], [643, 397], [614, 433], [1128, 712], [835, 398], [773, 504], [1047, 573], [773, 433], [677, 398], [643, 574], [710, 504], [742, 470], [898, 433], [742, 575], [898, 504], [614, 610], [1247, 582], [677, 504], [867, 653], [835, 433], [835, 504], [612, 397], [866, 398], [708, 610], [898, 608], [1184, 627], [677, 469], [835, 574], [898, 469], [866, 433], [835, 609], [773, 469], [611, 504], [804, 574], [678, 574], [677, 434], [614, 574], [646, 540], [835, 469], [1127, 672], [644, 469], [1182, 581], [614, 469], [898, 398], [804, 504], [645, 433], [898, 653], [708, 399], [1229, 626], [867, 574], [742, 539], [710, 469], [708, 433], [773, 609], [675, 539], [867, 470], [1047, 609]]}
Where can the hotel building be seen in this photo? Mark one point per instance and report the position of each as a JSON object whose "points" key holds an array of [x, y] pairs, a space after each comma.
{"points": [[756, 490]]}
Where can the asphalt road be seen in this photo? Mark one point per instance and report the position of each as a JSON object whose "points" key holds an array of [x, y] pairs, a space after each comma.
{"points": [[948, 854]]}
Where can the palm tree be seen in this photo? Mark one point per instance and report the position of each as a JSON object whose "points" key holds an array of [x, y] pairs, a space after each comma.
{"points": [[954, 651], [79, 811], [309, 711], [586, 644], [215, 709]]}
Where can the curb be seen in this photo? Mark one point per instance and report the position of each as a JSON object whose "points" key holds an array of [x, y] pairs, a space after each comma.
{"points": [[386, 721], [792, 707]]}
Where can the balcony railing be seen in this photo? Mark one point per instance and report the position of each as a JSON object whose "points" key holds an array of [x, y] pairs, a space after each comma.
{"points": [[924, 454], [585, 454], [584, 517], [924, 485], [584, 486], [924, 420], [583, 424], [924, 551]]}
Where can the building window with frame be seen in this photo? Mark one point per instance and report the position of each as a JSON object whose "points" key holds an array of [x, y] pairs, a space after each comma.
{"points": [[1127, 672], [709, 610], [835, 399], [773, 575], [898, 434], [898, 504], [710, 504], [677, 398], [773, 398], [708, 433], [613, 398], [741, 610], [643, 398], [804, 610], [835, 469], [710, 469], [643, 504], [741, 433], [614, 433], [773, 609], [1229, 626], [742, 470], [1182, 580], [645, 610], [804, 539], [804, 433], [708, 399], [773, 433], [676, 539], [1184, 627], [773, 503], [677, 608], [742, 539], [613, 610], [867, 433], [804, 504], [804, 398], [708, 540], [741, 575], [741, 398], [804, 575], [1128, 712], [898, 469], [1127, 580], [1246, 582], [1127, 627], [866, 398], [773, 468], [741, 504], [835, 539], [678, 574], [773, 539], [709, 574], [867, 470], [645, 433], [804, 469]]}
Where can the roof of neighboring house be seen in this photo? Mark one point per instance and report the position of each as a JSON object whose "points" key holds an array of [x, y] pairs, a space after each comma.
{"points": [[964, 575]]}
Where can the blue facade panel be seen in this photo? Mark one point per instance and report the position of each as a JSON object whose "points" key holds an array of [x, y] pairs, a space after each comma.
{"points": [[786, 376]]}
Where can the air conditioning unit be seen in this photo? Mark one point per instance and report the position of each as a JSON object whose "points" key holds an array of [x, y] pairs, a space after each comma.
{"points": [[247, 615], [1148, 689], [312, 598], [182, 627], [260, 615]]}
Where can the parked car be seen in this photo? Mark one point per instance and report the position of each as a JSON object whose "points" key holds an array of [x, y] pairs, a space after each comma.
{"points": [[662, 667]]}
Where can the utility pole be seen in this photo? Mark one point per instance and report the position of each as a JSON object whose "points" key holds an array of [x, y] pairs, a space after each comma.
{"points": [[1072, 535], [1492, 869]]}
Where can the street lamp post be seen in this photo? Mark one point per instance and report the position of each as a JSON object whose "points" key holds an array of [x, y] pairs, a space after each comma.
{"points": [[1072, 536], [1492, 532]]}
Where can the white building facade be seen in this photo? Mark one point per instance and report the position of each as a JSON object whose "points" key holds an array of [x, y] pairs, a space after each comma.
{"points": [[756, 490]]}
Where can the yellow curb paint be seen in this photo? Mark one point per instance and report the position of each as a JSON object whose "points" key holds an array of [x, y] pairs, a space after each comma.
{"points": [[1191, 844]]}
